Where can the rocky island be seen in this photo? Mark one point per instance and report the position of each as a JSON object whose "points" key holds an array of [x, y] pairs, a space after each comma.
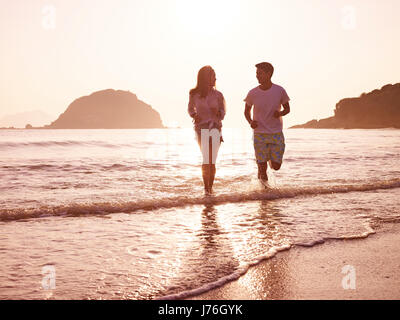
{"points": [[108, 109], [379, 108]]}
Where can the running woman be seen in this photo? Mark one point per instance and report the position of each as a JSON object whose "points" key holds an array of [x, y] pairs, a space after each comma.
{"points": [[207, 109]]}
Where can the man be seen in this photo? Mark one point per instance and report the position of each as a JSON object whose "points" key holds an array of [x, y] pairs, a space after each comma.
{"points": [[267, 99]]}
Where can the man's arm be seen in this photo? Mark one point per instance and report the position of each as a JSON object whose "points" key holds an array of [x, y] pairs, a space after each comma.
{"points": [[286, 109], [247, 114], [284, 112]]}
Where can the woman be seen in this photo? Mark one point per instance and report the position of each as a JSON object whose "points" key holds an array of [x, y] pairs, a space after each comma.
{"points": [[207, 108]]}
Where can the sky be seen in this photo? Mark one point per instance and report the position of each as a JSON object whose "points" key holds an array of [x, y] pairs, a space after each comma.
{"points": [[53, 52]]}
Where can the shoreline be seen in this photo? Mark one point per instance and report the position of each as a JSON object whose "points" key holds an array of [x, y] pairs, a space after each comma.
{"points": [[368, 268]]}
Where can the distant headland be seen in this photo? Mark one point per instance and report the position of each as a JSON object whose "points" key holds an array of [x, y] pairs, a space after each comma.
{"points": [[379, 108], [106, 109]]}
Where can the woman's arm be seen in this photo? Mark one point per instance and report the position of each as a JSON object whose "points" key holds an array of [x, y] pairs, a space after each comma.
{"points": [[191, 107], [221, 107]]}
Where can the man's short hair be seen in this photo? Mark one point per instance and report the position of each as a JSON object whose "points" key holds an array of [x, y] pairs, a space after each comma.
{"points": [[266, 66]]}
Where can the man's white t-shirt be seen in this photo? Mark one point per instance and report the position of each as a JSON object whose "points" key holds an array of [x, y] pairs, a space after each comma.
{"points": [[265, 103]]}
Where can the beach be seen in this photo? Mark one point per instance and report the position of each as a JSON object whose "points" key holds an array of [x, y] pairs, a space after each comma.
{"points": [[121, 214], [316, 272], [176, 150]]}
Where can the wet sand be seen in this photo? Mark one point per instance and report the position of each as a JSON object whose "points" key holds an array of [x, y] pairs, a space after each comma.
{"points": [[316, 272]]}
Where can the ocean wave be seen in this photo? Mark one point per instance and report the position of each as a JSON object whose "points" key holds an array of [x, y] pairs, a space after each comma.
{"points": [[80, 209], [66, 143], [77, 168]]}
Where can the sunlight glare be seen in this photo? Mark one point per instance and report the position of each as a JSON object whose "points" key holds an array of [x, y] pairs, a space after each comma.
{"points": [[208, 16]]}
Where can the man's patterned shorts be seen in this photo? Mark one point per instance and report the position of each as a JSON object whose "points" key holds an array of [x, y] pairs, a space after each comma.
{"points": [[269, 147]]}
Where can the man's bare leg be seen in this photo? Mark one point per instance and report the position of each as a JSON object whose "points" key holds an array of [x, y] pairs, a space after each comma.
{"points": [[262, 171], [275, 165]]}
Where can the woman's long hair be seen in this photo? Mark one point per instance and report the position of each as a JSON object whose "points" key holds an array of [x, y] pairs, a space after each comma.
{"points": [[203, 80]]}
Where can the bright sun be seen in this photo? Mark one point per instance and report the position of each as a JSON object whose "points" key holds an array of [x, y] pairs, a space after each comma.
{"points": [[207, 17]]}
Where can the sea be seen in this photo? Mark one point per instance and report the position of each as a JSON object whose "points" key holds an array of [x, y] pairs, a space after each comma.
{"points": [[121, 214]]}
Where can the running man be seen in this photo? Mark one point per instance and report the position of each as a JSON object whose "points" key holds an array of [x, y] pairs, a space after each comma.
{"points": [[267, 99]]}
